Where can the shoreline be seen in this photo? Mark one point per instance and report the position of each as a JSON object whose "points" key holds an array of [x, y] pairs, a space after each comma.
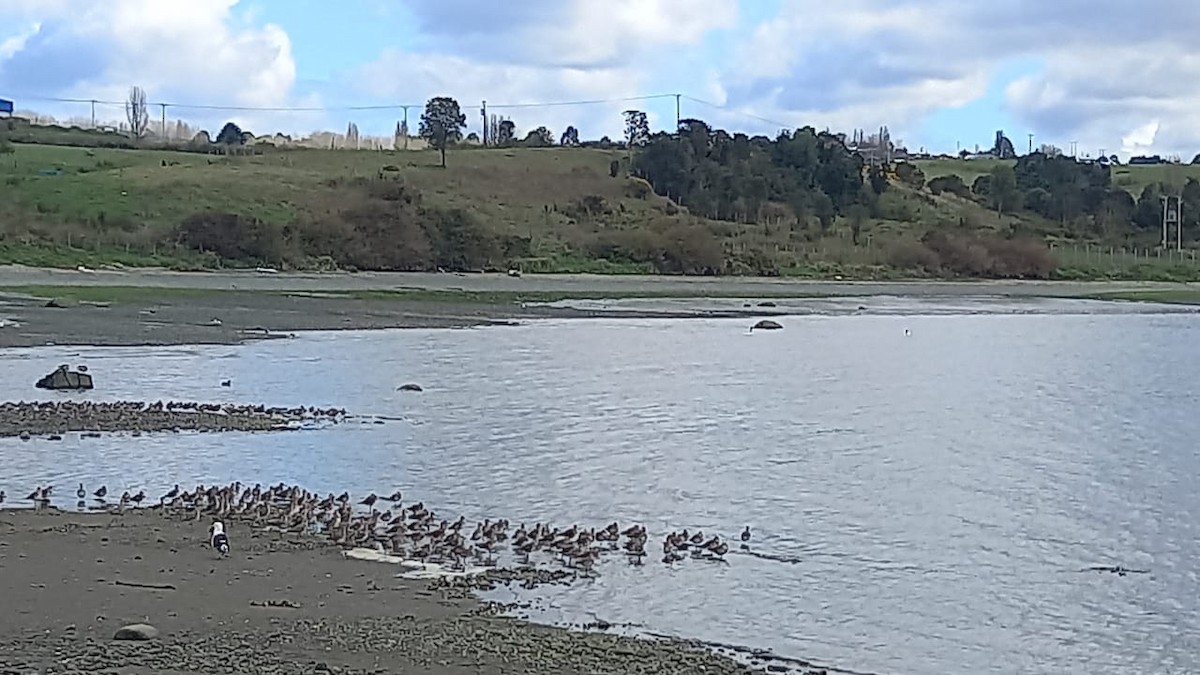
{"points": [[41, 307], [606, 285], [281, 603]]}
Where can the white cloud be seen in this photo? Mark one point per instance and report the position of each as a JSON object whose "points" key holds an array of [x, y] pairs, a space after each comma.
{"points": [[12, 45], [1110, 65], [1140, 138], [561, 51], [199, 55]]}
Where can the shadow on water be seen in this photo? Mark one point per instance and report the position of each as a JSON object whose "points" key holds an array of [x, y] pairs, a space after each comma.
{"points": [[916, 499]]}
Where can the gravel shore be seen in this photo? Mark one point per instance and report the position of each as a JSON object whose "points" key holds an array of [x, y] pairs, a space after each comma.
{"points": [[40, 418], [281, 603]]}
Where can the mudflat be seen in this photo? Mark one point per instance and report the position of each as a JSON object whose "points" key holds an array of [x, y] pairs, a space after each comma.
{"points": [[280, 603]]}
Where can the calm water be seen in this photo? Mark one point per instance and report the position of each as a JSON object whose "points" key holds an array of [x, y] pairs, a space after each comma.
{"points": [[940, 490]]}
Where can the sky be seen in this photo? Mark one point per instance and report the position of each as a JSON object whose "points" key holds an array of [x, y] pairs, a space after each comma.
{"points": [[1116, 76]]}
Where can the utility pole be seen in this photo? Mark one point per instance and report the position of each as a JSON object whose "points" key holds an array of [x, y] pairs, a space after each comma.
{"points": [[677, 118], [483, 114], [406, 134], [1031, 144], [1074, 145], [93, 113], [163, 131], [1172, 216]]}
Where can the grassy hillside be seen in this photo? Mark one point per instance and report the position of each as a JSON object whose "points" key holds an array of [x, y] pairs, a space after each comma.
{"points": [[553, 210]]}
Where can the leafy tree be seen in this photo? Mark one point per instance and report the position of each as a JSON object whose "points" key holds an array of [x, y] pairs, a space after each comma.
{"points": [[1003, 194], [539, 138], [442, 123], [1149, 211], [1191, 204], [910, 174], [231, 134], [637, 128], [570, 137], [952, 183], [981, 187], [878, 178], [506, 133], [733, 177]]}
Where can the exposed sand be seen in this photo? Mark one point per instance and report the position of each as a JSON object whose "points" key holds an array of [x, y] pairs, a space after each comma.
{"points": [[243, 313], [59, 575]]}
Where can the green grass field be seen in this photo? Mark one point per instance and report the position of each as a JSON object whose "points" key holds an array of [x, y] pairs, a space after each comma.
{"points": [[66, 206]]}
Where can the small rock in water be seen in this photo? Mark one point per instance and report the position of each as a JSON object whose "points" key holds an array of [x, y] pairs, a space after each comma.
{"points": [[64, 378], [136, 631], [409, 387], [766, 324]]}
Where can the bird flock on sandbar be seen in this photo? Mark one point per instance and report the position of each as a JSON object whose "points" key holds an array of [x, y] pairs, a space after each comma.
{"points": [[410, 531]]}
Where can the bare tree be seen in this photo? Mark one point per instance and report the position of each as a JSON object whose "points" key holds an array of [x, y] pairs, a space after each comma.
{"points": [[136, 113]]}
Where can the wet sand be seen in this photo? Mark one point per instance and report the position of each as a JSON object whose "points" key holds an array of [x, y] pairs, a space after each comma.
{"points": [[247, 306], [279, 604], [175, 319]]}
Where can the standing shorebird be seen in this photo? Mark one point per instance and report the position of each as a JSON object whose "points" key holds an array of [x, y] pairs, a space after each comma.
{"points": [[219, 541], [81, 493], [99, 494]]}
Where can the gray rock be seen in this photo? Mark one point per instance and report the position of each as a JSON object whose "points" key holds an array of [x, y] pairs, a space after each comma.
{"points": [[766, 324], [136, 631], [64, 378], [409, 387]]}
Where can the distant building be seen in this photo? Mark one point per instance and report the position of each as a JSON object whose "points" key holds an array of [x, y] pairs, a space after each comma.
{"points": [[1147, 159]]}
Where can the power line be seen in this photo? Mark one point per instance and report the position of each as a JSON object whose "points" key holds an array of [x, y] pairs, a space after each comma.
{"points": [[380, 107], [598, 101], [735, 111]]}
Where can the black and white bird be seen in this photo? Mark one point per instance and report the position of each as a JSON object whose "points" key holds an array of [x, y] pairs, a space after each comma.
{"points": [[81, 493], [219, 540]]}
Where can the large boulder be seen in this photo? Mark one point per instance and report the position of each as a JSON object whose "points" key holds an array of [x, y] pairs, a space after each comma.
{"points": [[64, 378], [137, 632], [766, 324]]}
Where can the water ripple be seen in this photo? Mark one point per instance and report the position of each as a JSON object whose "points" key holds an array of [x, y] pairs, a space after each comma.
{"points": [[920, 503]]}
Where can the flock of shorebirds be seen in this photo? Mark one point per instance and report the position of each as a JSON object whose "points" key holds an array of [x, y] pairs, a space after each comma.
{"points": [[80, 407], [413, 531]]}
